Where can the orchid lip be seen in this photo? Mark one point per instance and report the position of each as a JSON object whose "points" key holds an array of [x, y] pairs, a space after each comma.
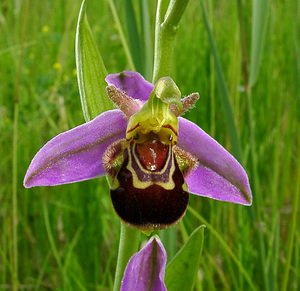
{"points": [[149, 199]]}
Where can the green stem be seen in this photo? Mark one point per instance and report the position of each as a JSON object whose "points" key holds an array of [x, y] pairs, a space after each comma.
{"points": [[128, 245], [165, 32]]}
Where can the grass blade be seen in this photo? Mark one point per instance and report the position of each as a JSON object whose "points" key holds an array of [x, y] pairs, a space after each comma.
{"points": [[292, 234], [224, 245], [15, 158], [121, 34], [133, 36], [223, 91], [259, 28], [147, 39], [53, 246]]}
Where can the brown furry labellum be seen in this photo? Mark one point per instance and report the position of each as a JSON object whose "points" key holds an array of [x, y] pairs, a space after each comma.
{"points": [[148, 188]]}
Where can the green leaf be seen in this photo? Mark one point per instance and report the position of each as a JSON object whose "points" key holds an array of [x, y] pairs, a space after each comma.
{"points": [[181, 271], [259, 28], [91, 71]]}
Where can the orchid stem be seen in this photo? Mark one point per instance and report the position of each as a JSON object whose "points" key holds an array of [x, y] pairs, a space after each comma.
{"points": [[165, 33], [128, 245]]}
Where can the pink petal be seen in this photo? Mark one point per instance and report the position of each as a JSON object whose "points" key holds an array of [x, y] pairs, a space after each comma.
{"points": [[219, 176], [146, 269], [76, 154], [132, 83]]}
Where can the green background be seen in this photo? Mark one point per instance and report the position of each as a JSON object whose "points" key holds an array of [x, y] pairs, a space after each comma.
{"points": [[66, 237]]}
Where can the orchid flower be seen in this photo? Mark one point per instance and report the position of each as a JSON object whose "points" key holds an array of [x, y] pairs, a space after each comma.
{"points": [[146, 269], [153, 157]]}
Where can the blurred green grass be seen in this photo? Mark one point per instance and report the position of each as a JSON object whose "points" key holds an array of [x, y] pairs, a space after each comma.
{"points": [[66, 237]]}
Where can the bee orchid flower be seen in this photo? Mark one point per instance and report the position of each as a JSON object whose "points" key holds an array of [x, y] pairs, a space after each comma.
{"points": [[153, 157]]}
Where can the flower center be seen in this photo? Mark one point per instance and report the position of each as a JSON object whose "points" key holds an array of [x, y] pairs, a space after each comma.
{"points": [[152, 155], [155, 117]]}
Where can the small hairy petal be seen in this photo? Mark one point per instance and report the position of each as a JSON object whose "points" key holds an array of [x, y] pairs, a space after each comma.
{"points": [[219, 175], [146, 269], [188, 103], [132, 83], [125, 103], [76, 154]]}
